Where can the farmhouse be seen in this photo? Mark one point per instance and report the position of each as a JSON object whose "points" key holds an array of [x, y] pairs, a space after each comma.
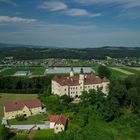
{"points": [[58, 123], [23, 73], [26, 108], [73, 86]]}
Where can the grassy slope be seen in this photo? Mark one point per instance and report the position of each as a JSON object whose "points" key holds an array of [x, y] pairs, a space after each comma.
{"points": [[5, 98]]}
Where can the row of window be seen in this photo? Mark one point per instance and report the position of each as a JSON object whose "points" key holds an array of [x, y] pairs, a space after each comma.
{"points": [[74, 92]]}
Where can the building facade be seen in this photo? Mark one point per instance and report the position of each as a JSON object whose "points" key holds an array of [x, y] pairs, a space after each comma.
{"points": [[58, 123], [73, 86], [26, 108]]}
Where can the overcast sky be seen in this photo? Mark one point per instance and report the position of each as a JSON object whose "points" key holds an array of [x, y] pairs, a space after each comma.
{"points": [[70, 23]]}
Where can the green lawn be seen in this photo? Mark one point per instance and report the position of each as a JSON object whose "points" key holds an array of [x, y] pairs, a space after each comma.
{"points": [[13, 70], [6, 98], [43, 134], [40, 118], [20, 137]]}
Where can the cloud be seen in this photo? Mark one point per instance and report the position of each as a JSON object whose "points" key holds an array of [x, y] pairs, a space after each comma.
{"points": [[53, 6], [81, 12], [122, 3], [9, 19], [10, 2], [130, 14], [60, 6]]}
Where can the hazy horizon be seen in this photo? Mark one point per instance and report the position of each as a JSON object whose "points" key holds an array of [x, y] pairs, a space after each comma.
{"points": [[70, 23]]}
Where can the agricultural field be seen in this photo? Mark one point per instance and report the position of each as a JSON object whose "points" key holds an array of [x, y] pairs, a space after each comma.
{"points": [[5, 98], [35, 70], [136, 68], [122, 70], [119, 72]]}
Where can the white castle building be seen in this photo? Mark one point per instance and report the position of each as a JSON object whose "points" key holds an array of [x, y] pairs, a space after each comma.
{"points": [[74, 85]]}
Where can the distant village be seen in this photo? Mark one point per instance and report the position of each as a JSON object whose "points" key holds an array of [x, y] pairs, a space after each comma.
{"points": [[11, 61]]}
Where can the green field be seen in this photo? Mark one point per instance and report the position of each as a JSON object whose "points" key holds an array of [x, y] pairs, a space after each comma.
{"points": [[13, 70], [43, 134], [117, 74], [40, 118], [5, 98], [120, 75], [131, 70]]}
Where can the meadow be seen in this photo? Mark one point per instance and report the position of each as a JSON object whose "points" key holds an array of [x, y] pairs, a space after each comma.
{"points": [[35, 70]]}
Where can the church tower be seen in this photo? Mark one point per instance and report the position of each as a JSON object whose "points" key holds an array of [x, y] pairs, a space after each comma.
{"points": [[71, 72], [81, 79]]}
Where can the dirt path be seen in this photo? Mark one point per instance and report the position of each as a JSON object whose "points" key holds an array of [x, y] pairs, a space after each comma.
{"points": [[136, 68], [123, 71], [31, 135]]}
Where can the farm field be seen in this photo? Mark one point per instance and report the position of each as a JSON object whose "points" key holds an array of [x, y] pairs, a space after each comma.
{"points": [[122, 70], [34, 70], [138, 68], [131, 69], [5, 98]]}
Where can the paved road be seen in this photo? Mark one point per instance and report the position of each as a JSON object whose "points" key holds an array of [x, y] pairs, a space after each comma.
{"points": [[28, 127]]}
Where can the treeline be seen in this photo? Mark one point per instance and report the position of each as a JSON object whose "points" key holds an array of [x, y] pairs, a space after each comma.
{"points": [[34, 52], [25, 85]]}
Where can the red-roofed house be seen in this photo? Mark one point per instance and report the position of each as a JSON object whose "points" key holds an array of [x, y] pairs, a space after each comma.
{"points": [[58, 122], [26, 108], [73, 86]]}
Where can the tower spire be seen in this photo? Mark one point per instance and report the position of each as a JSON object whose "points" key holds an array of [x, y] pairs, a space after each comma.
{"points": [[71, 72], [81, 71]]}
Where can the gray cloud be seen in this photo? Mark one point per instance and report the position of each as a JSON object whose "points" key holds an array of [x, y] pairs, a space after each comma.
{"points": [[81, 12], [9, 19], [53, 6], [124, 3]]}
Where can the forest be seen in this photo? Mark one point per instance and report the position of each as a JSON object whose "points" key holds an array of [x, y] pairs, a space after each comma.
{"points": [[37, 52], [24, 84]]}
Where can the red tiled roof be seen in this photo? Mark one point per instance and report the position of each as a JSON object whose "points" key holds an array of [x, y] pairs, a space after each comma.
{"points": [[71, 81], [74, 81], [19, 105], [58, 119], [53, 118]]}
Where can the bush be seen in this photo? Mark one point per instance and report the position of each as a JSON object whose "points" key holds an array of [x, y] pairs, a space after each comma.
{"points": [[20, 118]]}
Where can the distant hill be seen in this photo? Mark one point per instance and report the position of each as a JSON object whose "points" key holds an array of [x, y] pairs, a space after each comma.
{"points": [[38, 52]]}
